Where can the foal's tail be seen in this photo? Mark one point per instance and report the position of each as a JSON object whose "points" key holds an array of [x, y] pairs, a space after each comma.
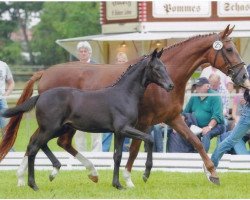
{"points": [[14, 123], [22, 108]]}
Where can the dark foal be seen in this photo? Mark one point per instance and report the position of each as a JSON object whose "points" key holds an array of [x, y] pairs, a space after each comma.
{"points": [[113, 109]]}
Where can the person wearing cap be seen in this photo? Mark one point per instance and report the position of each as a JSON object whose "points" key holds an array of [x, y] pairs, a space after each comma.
{"points": [[84, 52], [208, 111], [239, 131]]}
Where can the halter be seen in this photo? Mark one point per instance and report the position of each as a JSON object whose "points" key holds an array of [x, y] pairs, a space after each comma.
{"points": [[230, 67]]}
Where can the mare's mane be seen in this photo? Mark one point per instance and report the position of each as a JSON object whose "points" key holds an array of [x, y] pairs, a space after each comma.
{"points": [[187, 40]]}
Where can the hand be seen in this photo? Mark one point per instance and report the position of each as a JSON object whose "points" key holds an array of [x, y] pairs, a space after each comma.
{"points": [[205, 130]]}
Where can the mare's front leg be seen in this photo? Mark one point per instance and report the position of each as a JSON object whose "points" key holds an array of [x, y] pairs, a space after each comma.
{"points": [[117, 160], [180, 126], [148, 139], [65, 141]]}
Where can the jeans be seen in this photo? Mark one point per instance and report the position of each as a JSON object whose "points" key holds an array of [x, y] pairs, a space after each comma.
{"points": [[237, 134], [3, 106], [158, 134], [107, 139], [217, 130]]}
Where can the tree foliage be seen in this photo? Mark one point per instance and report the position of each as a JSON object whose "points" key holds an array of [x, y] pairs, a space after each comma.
{"points": [[14, 16], [63, 20]]}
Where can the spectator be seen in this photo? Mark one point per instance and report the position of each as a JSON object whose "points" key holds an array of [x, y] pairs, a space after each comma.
{"points": [[206, 72], [232, 91], [239, 131], [176, 143], [84, 52], [6, 87], [240, 147], [158, 132], [121, 58], [207, 111]]}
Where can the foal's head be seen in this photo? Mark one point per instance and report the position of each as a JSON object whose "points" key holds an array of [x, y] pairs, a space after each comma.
{"points": [[155, 72]]}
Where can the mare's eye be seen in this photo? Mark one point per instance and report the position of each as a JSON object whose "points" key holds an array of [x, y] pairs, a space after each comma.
{"points": [[229, 50]]}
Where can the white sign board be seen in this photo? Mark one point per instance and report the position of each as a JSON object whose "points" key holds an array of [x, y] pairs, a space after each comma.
{"points": [[233, 8], [117, 10], [181, 9]]}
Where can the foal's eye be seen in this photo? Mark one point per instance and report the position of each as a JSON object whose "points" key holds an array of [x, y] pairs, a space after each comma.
{"points": [[229, 50]]}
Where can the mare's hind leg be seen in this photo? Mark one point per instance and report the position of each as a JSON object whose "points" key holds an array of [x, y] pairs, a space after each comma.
{"points": [[147, 138], [65, 141], [117, 160]]}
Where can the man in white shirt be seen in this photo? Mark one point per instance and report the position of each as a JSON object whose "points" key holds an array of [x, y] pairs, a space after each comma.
{"points": [[6, 86], [84, 52]]}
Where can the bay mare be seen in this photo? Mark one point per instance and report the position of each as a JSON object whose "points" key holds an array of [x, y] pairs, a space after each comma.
{"points": [[182, 59], [113, 109]]}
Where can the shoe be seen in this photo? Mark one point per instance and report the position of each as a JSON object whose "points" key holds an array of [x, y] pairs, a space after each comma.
{"points": [[196, 129]]}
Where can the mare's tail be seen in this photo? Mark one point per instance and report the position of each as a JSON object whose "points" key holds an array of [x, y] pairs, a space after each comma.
{"points": [[14, 123]]}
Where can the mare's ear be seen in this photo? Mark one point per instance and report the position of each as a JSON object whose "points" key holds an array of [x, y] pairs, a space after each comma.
{"points": [[227, 32], [159, 53], [154, 54]]}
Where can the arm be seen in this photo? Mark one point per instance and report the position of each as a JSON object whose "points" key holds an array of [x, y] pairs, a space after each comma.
{"points": [[217, 115], [10, 84]]}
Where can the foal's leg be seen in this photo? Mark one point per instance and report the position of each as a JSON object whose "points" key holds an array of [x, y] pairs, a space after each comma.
{"points": [[32, 150], [55, 162], [180, 126], [117, 160], [147, 138], [24, 164], [65, 141]]}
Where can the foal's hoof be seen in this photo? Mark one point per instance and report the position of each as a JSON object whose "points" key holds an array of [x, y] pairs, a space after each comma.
{"points": [[212, 179], [145, 178], [34, 187], [51, 177], [118, 186], [93, 178]]}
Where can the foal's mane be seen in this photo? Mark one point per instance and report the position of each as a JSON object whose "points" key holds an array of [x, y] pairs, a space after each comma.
{"points": [[128, 70]]}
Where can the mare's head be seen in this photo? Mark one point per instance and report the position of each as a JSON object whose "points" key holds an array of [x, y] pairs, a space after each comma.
{"points": [[224, 56], [155, 72]]}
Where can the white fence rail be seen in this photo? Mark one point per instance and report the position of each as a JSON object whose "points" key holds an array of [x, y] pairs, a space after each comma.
{"points": [[178, 162]]}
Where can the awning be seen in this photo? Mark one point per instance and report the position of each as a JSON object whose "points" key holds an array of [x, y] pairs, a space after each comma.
{"points": [[158, 31]]}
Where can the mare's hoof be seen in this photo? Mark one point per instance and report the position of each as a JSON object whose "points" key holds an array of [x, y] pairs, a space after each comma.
{"points": [[93, 178], [212, 179], [145, 178]]}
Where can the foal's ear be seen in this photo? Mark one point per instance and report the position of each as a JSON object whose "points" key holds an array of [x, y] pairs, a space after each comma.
{"points": [[159, 53], [154, 54]]}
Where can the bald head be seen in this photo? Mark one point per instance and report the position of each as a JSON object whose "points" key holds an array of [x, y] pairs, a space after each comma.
{"points": [[214, 80]]}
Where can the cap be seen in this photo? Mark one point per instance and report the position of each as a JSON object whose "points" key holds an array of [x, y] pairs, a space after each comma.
{"points": [[201, 81]]}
